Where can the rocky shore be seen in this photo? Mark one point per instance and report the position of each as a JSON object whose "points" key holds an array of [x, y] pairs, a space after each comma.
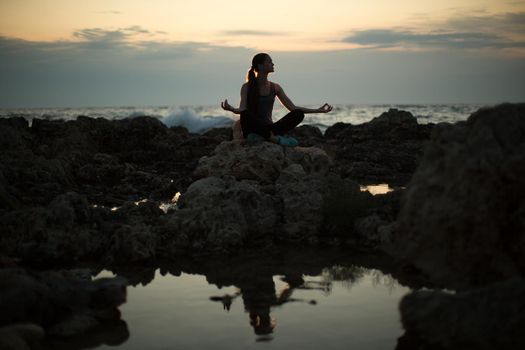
{"points": [[133, 190]]}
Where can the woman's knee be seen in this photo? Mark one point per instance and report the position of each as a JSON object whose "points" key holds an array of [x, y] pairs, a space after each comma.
{"points": [[299, 115]]}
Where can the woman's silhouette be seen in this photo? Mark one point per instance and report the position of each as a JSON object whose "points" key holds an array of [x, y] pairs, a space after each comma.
{"points": [[257, 98]]}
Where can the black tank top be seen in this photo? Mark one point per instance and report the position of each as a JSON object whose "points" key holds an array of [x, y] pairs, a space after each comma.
{"points": [[266, 105]]}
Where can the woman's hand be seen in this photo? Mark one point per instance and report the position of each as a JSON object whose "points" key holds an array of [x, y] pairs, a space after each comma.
{"points": [[226, 106], [324, 108]]}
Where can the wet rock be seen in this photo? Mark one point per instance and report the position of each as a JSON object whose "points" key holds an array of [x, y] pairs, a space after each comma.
{"points": [[60, 305], [461, 219], [485, 318]]}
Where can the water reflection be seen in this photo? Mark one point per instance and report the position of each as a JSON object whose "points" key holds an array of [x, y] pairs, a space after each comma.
{"points": [[273, 294], [259, 296]]}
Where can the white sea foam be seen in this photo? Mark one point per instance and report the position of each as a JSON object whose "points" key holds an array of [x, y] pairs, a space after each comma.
{"points": [[194, 122]]}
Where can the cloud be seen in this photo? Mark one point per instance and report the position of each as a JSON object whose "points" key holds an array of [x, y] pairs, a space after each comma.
{"points": [[503, 24], [386, 38], [109, 12], [505, 31], [251, 33], [117, 35], [97, 44]]}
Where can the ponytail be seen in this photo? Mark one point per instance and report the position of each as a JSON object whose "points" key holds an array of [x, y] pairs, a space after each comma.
{"points": [[253, 92]]}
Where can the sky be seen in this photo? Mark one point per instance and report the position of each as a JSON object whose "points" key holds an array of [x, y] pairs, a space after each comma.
{"points": [[65, 53]]}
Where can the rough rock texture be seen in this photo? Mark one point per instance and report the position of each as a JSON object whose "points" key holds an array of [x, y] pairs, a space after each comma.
{"points": [[57, 301], [69, 230], [21, 337], [385, 150], [262, 163], [249, 194], [219, 215], [487, 318], [90, 189], [109, 161], [462, 219]]}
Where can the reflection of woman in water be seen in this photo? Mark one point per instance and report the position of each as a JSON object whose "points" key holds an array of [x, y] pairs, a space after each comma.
{"points": [[258, 294], [257, 98]]}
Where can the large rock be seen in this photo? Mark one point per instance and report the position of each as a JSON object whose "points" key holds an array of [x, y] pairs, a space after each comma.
{"points": [[219, 215], [386, 149], [58, 302], [263, 162], [485, 318], [462, 219], [110, 161], [256, 193]]}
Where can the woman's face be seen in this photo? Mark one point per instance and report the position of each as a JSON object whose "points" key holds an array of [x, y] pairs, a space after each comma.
{"points": [[267, 65]]}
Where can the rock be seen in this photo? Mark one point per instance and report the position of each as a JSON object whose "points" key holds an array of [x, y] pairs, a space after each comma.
{"points": [[367, 229], [222, 134], [308, 135], [218, 215], [14, 134], [133, 243], [62, 231], [21, 337], [59, 304], [262, 162], [462, 216], [384, 150], [484, 318], [302, 198]]}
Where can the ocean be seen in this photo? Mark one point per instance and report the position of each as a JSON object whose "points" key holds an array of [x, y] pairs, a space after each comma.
{"points": [[199, 119]]}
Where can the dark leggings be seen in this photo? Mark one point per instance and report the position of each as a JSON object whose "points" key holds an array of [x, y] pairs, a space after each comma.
{"points": [[249, 124]]}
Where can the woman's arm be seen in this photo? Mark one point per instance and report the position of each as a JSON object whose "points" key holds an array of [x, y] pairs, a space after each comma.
{"points": [[285, 100], [242, 105]]}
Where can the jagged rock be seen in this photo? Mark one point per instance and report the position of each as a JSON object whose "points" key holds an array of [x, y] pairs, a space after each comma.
{"points": [[60, 304], [485, 318], [69, 229], [386, 149], [462, 216], [63, 230], [262, 162], [218, 215], [133, 243], [302, 198]]}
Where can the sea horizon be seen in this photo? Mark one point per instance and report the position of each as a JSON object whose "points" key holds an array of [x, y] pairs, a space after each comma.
{"points": [[200, 118]]}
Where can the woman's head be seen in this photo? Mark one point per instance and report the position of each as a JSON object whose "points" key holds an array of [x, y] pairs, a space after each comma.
{"points": [[262, 62]]}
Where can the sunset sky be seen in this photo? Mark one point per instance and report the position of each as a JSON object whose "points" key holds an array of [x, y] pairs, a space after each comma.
{"points": [[109, 53]]}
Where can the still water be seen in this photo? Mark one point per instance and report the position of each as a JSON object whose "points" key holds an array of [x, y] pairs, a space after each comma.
{"points": [[280, 305]]}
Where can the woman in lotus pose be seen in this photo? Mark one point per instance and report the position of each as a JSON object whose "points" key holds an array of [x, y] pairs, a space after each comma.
{"points": [[257, 98]]}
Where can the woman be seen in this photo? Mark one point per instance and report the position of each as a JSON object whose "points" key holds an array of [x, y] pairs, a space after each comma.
{"points": [[257, 98]]}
